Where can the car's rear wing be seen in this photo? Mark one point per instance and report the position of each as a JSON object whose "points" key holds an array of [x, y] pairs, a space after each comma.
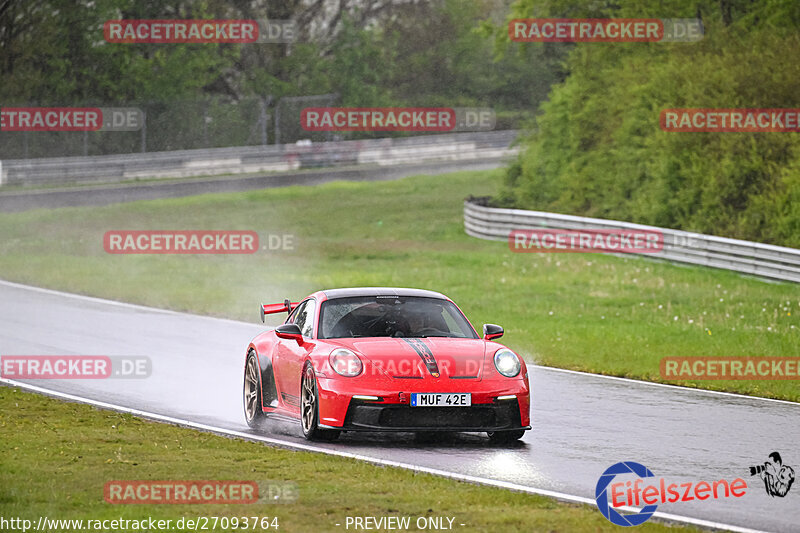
{"points": [[270, 309]]}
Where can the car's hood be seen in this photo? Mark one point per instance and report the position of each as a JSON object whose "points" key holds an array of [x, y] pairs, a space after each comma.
{"points": [[420, 358]]}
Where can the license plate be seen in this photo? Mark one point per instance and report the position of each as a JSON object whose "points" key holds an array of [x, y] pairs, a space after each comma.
{"points": [[443, 399]]}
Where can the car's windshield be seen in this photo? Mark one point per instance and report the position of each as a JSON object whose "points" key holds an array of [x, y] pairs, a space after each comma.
{"points": [[392, 316]]}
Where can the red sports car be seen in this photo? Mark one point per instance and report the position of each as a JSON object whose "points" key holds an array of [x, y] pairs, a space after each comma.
{"points": [[384, 359]]}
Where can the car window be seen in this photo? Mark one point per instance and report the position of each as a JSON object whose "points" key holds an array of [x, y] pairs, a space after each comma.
{"points": [[303, 316], [402, 316], [450, 321], [305, 319], [297, 310]]}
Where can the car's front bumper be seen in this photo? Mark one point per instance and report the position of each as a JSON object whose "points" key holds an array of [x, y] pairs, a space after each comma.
{"points": [[367, 416], [497, 405]]}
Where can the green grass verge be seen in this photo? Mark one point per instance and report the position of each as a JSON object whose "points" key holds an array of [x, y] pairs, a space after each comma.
{"points": [[590, 312], [56, 457]]}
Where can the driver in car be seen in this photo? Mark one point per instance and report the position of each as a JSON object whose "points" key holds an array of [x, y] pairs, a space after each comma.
{"points": [[415, 322]]}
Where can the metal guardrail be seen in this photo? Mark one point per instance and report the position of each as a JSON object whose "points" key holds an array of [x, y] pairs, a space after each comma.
{"points": [[247, 159], [776, 262]]}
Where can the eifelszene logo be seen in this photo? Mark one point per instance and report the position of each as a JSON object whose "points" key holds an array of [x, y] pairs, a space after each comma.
{"points": [[601, 496], [627, 495]]}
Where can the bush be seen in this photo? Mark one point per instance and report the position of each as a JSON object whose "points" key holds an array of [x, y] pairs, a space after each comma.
{"points": [[599, 150]]}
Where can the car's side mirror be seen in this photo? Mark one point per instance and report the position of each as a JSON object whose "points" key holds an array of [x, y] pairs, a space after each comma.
{"points": [[289, 331], [492, 331]]}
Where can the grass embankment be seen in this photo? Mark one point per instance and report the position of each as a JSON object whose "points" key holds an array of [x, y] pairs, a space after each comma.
{"points": [[589, 312], [56, 458]]}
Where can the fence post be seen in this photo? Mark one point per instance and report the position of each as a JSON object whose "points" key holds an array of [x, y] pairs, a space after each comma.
{"points": [[206, 120], [144, 131], [330, 97], [262, 107], [278, 122]]}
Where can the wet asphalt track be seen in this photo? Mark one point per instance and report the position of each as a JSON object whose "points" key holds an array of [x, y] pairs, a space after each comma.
{"points": [[582, 423]]}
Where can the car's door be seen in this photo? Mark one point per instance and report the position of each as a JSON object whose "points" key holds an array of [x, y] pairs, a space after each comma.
{"points": [[290, 354]]}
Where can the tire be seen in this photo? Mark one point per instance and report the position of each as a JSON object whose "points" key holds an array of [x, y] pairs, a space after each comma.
{"points": [[309, 409], [251, 392], [505, 437]]}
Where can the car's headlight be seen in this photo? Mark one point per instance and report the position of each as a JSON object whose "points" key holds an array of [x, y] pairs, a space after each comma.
{"points": [[507, 363], [345, 362]]}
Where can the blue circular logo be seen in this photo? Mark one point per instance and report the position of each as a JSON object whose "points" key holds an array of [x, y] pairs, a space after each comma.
{"points": [[601, 497]]}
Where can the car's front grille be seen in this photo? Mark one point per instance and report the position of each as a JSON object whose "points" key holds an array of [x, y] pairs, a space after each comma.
{"points": [[488, 417], [438, 416]]}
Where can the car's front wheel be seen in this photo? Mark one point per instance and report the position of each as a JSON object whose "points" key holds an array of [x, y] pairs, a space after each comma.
{"points": [[253, 412], [309, 409], [505, 437]]}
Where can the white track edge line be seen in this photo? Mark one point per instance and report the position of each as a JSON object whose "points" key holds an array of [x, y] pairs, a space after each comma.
{"points": [[667, 385], [373, 460], [118, 303], [240, 323]]}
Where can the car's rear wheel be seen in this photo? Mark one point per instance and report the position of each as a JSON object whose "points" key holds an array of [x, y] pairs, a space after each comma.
{"points": [[505, 437], [252, 392], [309, 409]]}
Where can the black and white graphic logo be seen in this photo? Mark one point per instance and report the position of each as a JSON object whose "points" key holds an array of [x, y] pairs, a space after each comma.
{"points": [[778, 477]]}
